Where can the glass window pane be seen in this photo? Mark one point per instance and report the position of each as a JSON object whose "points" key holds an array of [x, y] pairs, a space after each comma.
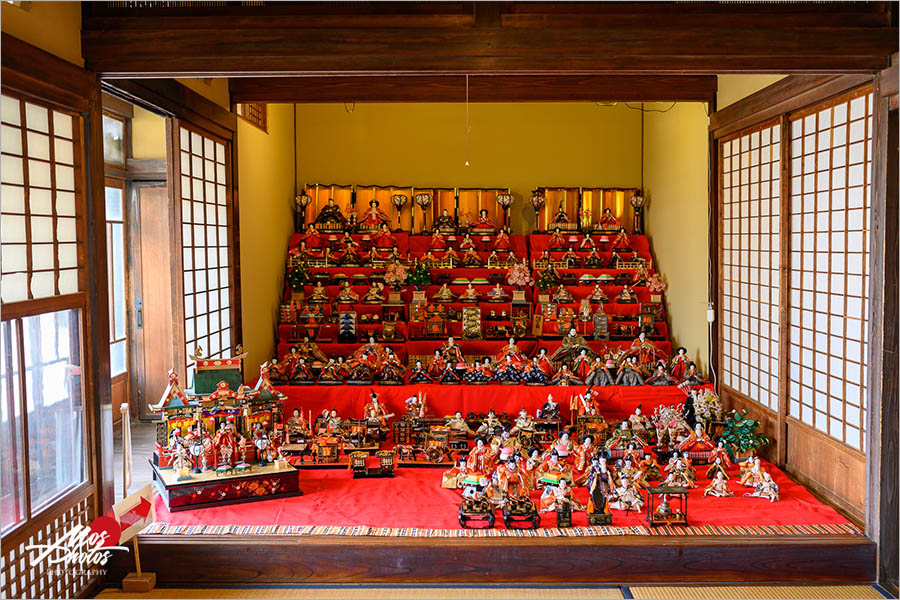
{"points": [[117, 358], [54, 397], [12, 488], [113, 140], [113, 204]]}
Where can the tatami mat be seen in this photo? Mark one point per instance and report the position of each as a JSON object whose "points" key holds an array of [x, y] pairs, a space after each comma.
{"points": [[752, 592], [380, 593]]}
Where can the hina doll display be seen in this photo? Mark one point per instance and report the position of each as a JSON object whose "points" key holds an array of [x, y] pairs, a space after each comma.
{"points": [[511, 350], [587, 243], [718, 486], [467, 242], [459, 425], [346, 295], [502, 243], [311, 238], [570, 347], [598, 296], [560, 216], [570, 259], [630, 471], [679, 363], [330, 217], [490, 424], [438, 242], [544, 362], [392, 370], [765, 488], [373, 351], [310, 351], [360, 369], [565, 377], [227, 444], [679, 475], [753, 474], [350, 256], [721, 453], [587, 404], [471, 259], [550, 409], [553, 464], [512, 481], [296, 426], [640, 423], [598, 374], [692, 377], [600, 482], [649, 467], [318, 294], [581, 366], [384, 238], [418, 374], [622, 436], [484, 372], [627, 496], [556, 497], [448, 375], [533, 374], [373, 218], [329, 375], [302, 374], [524, 422], [334, 424], [558, 241], [375, 415], [593, 260], [374, 294], [697, 441], [608, 221], [436, 365], [445, 221], [497, 294], [582, 453], [716, 467], [646, 352], [479, 459], [483, 223], [626, 296], [621, 241], [629, 373], [443, 294], [563, 446], [452, 479], [660, 377], [507, 371], [470, 294], [562, 296], [452, 353]]}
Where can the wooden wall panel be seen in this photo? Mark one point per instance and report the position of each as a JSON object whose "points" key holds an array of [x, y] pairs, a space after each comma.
{"points": [[830, 468], [768, 420]]}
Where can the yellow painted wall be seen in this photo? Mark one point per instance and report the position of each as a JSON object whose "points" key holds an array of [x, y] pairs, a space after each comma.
{"points": [[265, 191], [148, 134], [734, 87], [520, 145], [51, 26], [212, 89], [675, 183]]}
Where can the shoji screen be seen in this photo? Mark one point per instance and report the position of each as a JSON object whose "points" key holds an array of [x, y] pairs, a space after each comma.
{"points": [[750, 262], [206, 244], [831, 149]]}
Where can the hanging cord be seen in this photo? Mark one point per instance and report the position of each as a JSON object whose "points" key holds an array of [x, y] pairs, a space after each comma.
{"points": [[468, 126]]}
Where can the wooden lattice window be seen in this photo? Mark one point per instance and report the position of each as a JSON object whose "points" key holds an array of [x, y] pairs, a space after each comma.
{"points": [[255, 113], [751, 182], [39, 238], [831, 170], [206, 244]]}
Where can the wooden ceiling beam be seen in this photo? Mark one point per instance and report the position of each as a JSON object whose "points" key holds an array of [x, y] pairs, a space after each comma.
{"points": [[490, 37], [499, 88]]}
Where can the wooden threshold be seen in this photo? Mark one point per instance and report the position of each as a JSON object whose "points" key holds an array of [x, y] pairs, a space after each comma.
{"points": [[226, 559]]}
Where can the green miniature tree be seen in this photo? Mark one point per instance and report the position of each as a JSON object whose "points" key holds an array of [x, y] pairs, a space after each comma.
{"points": [[547, 279], [297, 277], [419, 276], [740, 435]]}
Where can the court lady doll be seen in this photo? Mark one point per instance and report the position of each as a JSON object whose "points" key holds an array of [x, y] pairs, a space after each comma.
{"points": [[418, 374], [718, 487]]}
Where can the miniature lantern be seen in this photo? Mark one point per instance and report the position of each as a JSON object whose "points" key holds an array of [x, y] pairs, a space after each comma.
{"points": [[638, 201]]}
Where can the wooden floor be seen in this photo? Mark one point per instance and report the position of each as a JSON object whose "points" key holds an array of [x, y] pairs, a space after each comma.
{"points": [[699, 592], [143, 437]]}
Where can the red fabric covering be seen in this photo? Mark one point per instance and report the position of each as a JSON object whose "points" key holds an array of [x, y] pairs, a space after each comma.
{"points": [[616, 402], [518, 245], [538, 242], [414, 498], [366, 240]]}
